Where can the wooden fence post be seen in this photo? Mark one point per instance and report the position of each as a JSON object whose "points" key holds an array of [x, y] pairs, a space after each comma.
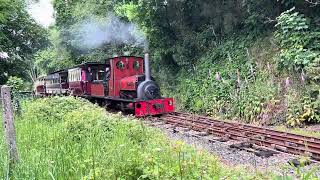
{"points": [[8, 124]]}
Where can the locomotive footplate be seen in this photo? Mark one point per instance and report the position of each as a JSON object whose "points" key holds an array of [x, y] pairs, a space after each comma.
{"points": [[153, 107]]}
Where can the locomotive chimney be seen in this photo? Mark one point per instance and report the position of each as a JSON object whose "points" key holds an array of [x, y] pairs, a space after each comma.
{"points": [[147, 66]]}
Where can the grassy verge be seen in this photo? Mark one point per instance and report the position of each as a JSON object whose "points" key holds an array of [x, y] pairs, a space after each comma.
{"points": [[67, 138], [301, 131]]}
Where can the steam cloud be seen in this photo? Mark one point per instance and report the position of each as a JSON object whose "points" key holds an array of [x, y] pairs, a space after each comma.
{"points": [[93, 33]]}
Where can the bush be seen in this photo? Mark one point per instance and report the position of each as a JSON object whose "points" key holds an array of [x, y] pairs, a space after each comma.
{"points": [[15, 83], [54, 109], [297, 42], [299, 53], [302, 108]]}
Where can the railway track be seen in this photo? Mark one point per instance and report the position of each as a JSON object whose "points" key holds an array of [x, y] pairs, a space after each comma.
{"points": [[262, 139]]}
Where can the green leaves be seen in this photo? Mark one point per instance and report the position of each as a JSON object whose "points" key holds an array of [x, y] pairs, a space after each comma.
{"points": [[15, 83], [20, 37], [296, 40], [299, 52]]}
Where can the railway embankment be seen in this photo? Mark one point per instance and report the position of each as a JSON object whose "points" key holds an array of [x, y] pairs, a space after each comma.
{"points": [[70, 138]]}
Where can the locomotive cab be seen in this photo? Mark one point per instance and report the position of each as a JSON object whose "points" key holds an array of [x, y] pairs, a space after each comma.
{"points": [[94, 79], [125, 72]]}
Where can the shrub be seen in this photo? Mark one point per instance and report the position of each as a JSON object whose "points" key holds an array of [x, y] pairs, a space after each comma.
{"points": [[302, 109], [299, 53], [296, 40], [54, 109], [15, 83]]}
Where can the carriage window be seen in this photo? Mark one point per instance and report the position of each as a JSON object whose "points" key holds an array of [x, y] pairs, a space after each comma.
{"points": [[64, 79], [74, 75]]}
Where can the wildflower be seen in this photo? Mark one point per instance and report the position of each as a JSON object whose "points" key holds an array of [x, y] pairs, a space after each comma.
{"points": [[4, 55], [178, 146], [302, 76], [218, 77], [287, 83], [201, 152]]}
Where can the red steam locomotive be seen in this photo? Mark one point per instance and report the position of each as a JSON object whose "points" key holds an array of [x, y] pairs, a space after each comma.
{"points": [[122, 82]]}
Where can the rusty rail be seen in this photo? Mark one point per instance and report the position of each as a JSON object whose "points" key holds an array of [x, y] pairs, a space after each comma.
{"points": [[277, 140]]}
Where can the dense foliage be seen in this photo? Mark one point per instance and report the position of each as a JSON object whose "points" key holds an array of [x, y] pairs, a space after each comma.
{"points": [[20, 37], [15, 83], [250, 60], [299, 55], [231, 81]]}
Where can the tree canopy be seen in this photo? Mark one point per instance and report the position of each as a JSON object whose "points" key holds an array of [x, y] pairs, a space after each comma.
{"points": [[20, 38]]}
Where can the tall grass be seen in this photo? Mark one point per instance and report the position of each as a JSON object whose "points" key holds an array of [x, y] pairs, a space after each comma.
{"points": [[68, 138]]}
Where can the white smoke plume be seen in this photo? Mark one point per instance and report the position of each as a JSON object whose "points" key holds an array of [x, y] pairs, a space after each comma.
{"points": [[93, 33]]}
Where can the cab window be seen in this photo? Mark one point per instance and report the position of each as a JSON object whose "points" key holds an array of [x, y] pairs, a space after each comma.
{"points": [[96, 72]]}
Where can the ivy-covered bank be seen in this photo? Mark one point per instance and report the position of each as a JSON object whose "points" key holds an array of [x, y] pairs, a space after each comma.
{"points": [[272, 78]]}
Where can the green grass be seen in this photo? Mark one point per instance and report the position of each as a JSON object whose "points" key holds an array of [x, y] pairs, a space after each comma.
{"points": [[300, 131], [68, 138]]}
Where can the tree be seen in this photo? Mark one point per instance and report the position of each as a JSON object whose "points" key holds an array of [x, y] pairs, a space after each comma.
{"points": [[20, 37]]}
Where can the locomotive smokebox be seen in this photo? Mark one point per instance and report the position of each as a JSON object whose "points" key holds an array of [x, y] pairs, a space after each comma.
{"points": [[148, 89], [147, 66]]}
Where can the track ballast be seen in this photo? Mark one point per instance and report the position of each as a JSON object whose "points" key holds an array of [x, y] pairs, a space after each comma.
{"points": [[251, 138]]}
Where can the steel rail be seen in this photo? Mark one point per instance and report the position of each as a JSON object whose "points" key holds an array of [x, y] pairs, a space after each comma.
{"points": [[268, 143], [290, 140], [295, 136], [281, 141], [236, 135]]}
